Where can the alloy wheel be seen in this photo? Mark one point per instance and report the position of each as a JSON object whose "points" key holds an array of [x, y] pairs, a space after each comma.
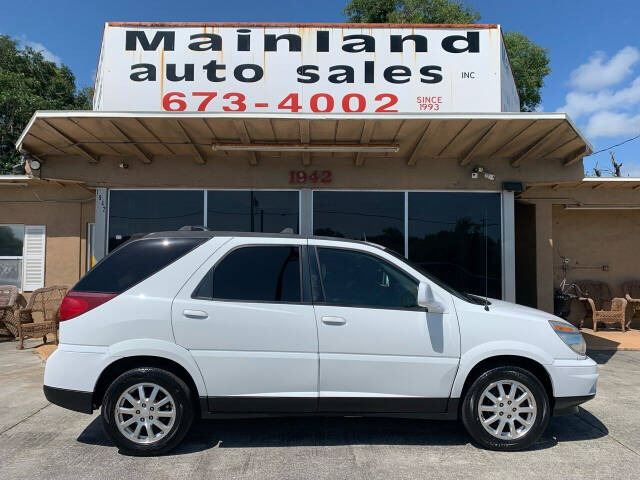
{"points": [[145, 413], [507, 409]]}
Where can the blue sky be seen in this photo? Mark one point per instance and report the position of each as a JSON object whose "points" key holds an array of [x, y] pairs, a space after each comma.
{"points": [[594, 47]]}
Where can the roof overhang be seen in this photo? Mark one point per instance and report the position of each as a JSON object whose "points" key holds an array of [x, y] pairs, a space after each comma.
{"points": [[593, 183], [462, 137]]}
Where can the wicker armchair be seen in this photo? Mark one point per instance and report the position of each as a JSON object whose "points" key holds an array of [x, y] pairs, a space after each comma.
{"points": [[632, 294], [604, 308], [8, 296], [43, 303]]}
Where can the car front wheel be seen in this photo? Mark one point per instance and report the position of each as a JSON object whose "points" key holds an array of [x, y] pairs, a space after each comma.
{"points": [[147, 411], [506, 408]]}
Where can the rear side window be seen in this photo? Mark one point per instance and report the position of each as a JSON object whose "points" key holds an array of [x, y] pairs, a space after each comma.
{"points": [[259, 274], [134, 262]]}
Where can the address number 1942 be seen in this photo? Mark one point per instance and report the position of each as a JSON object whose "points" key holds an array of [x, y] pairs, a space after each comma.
{"points": [[301, 177]]}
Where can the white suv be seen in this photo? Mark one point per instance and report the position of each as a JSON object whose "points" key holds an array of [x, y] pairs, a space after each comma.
{"points": [[177, 325]]}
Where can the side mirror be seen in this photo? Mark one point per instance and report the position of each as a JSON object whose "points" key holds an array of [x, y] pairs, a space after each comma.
{"points": [[428, 300]]}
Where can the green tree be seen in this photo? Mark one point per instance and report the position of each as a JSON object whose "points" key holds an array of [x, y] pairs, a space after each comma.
{"points": [[28, 83], [529, 62]]}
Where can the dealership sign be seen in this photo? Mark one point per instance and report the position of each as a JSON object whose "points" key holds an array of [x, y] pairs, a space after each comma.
{"points": [[304, 69]]}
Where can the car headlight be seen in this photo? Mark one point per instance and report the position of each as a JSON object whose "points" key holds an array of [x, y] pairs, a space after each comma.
{"points": [[570, 335]]}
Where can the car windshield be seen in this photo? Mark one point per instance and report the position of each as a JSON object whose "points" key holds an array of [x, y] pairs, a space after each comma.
{"points": [[461, 295]]}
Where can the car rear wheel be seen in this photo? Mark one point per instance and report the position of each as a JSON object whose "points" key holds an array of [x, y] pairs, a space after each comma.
{"points": [[147, 411], [506, 408]]}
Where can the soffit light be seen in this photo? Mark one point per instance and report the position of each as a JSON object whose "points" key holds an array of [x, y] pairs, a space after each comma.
{"points": [[302, 147]]}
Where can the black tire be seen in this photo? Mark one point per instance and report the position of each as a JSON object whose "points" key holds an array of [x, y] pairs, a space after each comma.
{"points": [[471, 415], [182, 399]]}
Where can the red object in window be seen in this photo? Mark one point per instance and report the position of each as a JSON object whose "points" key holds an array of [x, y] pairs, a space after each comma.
{"points": [[77, 303]]}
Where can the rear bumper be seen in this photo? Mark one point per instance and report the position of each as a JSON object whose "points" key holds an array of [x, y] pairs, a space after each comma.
{"points": [[70, 399], [569, 405]]}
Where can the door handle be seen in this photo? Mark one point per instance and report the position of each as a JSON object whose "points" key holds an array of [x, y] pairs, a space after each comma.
{"points": [[195, 314], [334, 321]]}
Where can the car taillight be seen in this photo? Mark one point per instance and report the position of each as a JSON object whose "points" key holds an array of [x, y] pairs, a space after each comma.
{"points": [[77, 303]]}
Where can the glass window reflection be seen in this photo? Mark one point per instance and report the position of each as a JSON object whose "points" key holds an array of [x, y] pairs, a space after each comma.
{"points": [[449, 234], [252, 211], [373, 216], [145, 211]]}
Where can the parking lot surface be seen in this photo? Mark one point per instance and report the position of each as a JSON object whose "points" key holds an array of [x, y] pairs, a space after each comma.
{"points": [[40, 440]]}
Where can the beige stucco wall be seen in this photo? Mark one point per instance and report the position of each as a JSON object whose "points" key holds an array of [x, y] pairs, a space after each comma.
{"points": [[65, 209], [273, 172], [593, 239], [590, 238]]}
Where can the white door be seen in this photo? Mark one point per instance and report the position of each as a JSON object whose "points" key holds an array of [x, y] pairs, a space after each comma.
{"points": [[379, 351], [247, 324]]}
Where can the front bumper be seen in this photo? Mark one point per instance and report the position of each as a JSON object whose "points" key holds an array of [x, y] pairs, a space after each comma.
{"points": [[70, 399], [569, 405], [574, 382]]}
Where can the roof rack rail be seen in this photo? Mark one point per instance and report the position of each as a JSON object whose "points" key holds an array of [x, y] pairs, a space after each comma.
{"points": [[194, 228]]}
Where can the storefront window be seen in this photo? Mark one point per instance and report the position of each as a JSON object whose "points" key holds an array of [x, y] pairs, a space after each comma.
{"points": [[252, 211], [11, 245], [373, 216], [144, 211], [449, 234]]}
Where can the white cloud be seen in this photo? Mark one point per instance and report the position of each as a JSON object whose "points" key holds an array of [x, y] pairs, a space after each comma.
{"points": [[46, 53], [603, 108], [599, 73], [38, 47], [612, 124], [580, 103]]}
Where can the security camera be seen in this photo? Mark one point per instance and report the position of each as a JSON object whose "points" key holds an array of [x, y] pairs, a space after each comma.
{"points": [[34, 164]]}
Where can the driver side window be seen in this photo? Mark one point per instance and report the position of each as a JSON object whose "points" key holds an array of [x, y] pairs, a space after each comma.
{"points": [[357, 279]]}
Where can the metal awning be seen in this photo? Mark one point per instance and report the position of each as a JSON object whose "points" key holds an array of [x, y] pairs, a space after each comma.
{"points": [[464, 138]]}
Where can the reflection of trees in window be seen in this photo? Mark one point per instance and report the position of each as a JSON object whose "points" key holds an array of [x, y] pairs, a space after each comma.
{"points": [[10, 243], [457, 256], [252, 211], [390, 237], [373, 216], [328, 232]]}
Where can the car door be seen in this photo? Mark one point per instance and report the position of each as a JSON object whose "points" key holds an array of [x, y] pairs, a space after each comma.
{"points": [[379, 351], [247, 319]]}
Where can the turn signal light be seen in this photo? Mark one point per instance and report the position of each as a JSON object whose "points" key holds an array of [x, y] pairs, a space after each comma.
{"points": [[77, 303]]}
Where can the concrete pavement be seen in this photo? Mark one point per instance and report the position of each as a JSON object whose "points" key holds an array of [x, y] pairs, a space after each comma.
{"points": [[39, 440]]}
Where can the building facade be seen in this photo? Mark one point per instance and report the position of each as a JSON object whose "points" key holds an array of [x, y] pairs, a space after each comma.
{"points": [[407, 136]]}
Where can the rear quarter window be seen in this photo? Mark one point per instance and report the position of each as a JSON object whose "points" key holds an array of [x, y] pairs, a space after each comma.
{"points": [[134, 262]]}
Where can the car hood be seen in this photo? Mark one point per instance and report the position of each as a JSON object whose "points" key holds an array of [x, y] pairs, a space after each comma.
{"points": [[520, 311]]}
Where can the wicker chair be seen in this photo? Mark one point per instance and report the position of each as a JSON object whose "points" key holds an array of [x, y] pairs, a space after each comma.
{"points": [[604, 308], [43, 303], [632, 294], [8, 296]]}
